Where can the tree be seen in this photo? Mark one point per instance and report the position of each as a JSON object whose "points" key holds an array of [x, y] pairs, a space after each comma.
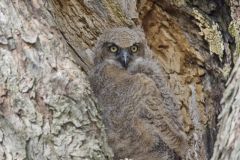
{"points": [[227, 144], [47, 108]]}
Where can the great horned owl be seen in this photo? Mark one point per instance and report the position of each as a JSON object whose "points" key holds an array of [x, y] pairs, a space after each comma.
{"points": [[141, 115]]}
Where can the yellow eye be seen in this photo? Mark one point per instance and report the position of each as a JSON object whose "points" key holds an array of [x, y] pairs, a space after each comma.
{"points": [[134, 48], [113, 49]]}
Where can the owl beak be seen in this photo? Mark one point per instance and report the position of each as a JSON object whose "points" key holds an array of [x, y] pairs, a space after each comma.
{"points": [[124, 58]]}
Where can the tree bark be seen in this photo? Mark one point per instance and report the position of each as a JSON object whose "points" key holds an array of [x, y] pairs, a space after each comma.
{"points": [[47, 108], [46, 105], [228, 139]]}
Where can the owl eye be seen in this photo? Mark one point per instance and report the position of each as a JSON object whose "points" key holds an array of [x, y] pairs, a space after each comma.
{"points": [[113, 49], [134, 48]]}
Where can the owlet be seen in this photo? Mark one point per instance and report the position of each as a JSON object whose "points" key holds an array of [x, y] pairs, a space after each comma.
{"points": [[140, 113]]}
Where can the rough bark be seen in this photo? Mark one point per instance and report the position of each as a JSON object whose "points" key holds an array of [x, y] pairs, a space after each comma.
{"points": [[47, 108], [227, 145], [228, 140]]}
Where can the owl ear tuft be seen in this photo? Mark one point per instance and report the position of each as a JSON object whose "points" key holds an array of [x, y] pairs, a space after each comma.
{"points": [[140, 31]]}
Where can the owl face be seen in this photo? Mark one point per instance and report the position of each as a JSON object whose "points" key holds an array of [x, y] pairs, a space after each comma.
{"points": [[122, 55], [121, 47]]}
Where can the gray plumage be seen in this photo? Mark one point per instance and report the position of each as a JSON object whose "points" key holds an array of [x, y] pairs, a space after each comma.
{"points": [[141, 115]]}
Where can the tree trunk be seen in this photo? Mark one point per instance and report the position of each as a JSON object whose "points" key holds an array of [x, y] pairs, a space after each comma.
{"points": [[46, 105], [228, 139], [47, 108]]}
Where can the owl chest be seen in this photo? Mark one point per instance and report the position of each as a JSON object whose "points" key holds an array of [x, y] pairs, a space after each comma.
{"points": [[123, 100], [119, 94]]}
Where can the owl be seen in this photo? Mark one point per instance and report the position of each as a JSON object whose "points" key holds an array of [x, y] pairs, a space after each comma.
{"points": [[141, 115]]}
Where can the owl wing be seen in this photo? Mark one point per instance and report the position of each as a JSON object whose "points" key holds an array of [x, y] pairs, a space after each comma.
{"points": [[160, 115], [170, 106]]}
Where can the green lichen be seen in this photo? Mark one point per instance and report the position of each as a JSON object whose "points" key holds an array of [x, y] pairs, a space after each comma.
{"points": [[226, 70], [233, 29], [210, 31]]}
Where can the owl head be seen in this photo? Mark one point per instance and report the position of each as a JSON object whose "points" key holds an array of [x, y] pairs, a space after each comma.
{"points": [[121, 46]]}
